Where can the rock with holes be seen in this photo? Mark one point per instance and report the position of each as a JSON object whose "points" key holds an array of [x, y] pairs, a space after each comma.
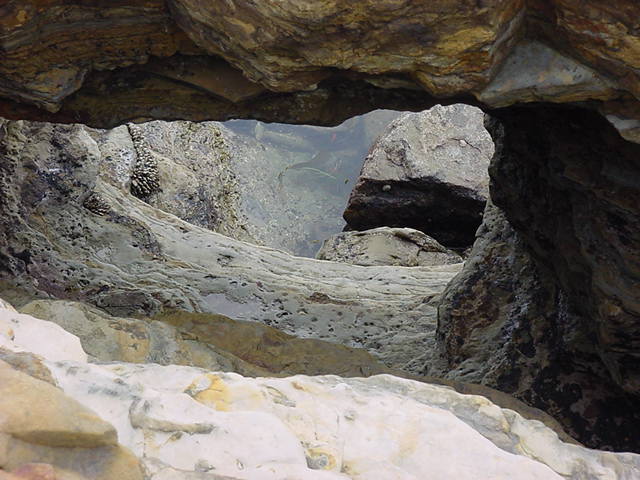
{"points": [[386, 246], [427, 171], [139, 259]]}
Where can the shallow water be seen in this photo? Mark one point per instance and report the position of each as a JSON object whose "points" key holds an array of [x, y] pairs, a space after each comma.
{"points": [[319, 168]]}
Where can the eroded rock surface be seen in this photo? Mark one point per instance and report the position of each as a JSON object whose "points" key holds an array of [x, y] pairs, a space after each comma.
{"points": [[132, 258], [505, 322], [188, 59], [386, 246], [427, 171], [573, 194], [187, 423]]}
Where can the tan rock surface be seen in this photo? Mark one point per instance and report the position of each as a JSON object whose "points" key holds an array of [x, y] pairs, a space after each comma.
{"points": [[39, 423], [200, 60]]}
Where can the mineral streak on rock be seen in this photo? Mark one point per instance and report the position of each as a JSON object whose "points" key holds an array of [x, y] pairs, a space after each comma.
{"points": [[226, 59]]}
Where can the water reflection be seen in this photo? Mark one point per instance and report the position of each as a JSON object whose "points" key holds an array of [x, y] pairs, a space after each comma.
{"points": [[315, 170]]}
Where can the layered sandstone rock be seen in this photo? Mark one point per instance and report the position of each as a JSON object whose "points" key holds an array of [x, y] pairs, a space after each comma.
{"points": [[195, 60]]}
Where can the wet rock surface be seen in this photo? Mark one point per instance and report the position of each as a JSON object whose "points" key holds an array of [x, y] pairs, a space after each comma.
{"points": [[505, 322], [138, 259], [386, 246], [427, 171], [575, 202]]}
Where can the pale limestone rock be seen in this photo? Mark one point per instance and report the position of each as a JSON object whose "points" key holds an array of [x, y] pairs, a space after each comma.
{"points": [[186, 423], [386, 246], [39, 423], [20, 332]]}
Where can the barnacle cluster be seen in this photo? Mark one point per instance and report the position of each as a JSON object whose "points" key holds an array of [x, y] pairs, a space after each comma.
{"points": [[145, 179], [96, 204]]}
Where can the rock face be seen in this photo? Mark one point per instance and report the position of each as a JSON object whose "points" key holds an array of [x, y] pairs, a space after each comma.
{"points": [[428, 171], [134, 258], [206, 175], [505, 322], [586, 228], [548, 310], [187, 423], [188, 59], [208, 341], [386, 246]]}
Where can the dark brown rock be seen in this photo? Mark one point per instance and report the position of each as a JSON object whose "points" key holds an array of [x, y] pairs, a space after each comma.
{"points": [[571, 186], [505, 322], [86, 61]]}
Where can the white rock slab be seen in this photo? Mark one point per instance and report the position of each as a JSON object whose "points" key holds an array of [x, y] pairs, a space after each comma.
{"points": [[24, 333], [186, 423]]}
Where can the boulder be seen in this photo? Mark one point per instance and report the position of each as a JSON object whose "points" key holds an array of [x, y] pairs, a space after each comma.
{"points": [[566, 182], [427, 171], [504, 322], [386, 246]]}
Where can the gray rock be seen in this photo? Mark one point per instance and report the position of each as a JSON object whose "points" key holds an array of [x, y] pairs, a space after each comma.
{"points": [[137, 259], [386, 246], [427, 171]]}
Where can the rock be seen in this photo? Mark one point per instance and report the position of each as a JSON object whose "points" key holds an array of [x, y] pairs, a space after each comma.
{"points": [[139, 260], [585, 230], [106, 338], [209, 341], [386, 246], [22, 332], [232, 343], [184, 419], [40, 422], [195, 60], [28, 363], [427, 171], [506, 323], [358, 39]]}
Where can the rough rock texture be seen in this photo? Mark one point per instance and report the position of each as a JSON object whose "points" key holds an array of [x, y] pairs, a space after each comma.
{"points": [[427, 171], [324, 427], [210, 60], [505, 322], [247, 348], [40, 423], [138, 259], [208, 341], [575, 201], [186, 423], [363, 36], [386, 246], [206, 175]]}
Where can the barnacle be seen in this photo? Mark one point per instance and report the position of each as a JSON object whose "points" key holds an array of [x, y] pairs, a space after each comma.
{"points": [[145, 178]]}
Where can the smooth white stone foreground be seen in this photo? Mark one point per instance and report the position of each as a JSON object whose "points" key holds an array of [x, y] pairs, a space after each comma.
{"points": [[189, 424]]}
